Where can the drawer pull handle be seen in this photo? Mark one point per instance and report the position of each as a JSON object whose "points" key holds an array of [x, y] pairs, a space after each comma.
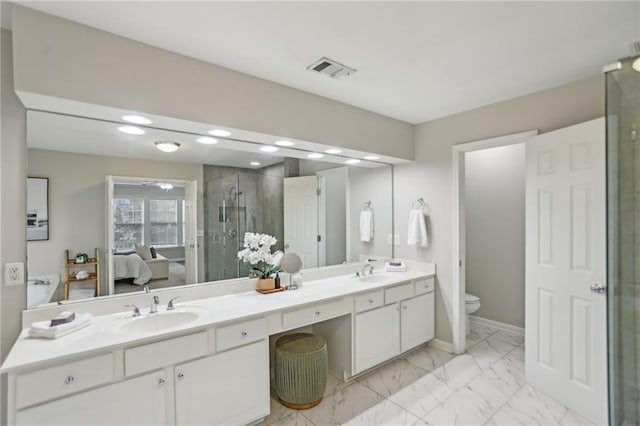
{"points": [[370, 300], [161, 382], [69, 380], [244, 334], [180, 376], [404, 306], [317, 313]]}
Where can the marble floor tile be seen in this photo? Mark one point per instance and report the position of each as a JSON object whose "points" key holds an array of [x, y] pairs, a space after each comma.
{"points": [[496, 384], [343, 405], [423, 395], [478, 333], [458, 372], [428, 357], [278, 411], [530, 406], [574, 419], [386, 413], [464, 407], [487, 352], [505, 336], [334, 384], [503, 418], [392, 377], [293, 419]]}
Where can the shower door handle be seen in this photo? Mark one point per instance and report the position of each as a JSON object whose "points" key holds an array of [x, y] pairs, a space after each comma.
{"points": [[599, 288]]}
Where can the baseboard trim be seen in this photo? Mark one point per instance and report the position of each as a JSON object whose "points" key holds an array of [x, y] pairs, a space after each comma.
{"points": [[442, 345], [496, 324]]}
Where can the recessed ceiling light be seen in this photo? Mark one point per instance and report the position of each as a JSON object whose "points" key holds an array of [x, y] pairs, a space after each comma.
{"points": [[167, 146], [333, 151], [254, 163], [206, 140], [136, 119], [220, 133], [371, 157], [315, 155], [352, 161], [131, 130], [285, 143], [269, 148]]}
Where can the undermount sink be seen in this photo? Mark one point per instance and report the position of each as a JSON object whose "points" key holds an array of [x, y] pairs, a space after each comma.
{"points": [[157, 322]]}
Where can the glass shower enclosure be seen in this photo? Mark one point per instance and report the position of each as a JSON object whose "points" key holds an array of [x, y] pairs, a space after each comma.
{"points": [[623, 263]]}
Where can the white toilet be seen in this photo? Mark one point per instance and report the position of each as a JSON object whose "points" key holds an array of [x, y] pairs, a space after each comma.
{"points": [[472, 304]]}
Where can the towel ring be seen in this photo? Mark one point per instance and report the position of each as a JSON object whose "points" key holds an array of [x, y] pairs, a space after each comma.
{"points": [[367, 205], [420, 204]]}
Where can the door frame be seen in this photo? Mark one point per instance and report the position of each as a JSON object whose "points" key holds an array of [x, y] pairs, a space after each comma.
{"points": [[458, 260], [110, 181]]}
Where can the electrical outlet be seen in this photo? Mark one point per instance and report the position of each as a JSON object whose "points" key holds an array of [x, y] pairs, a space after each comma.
{"points": [[390, 239], [14, 273], [200, 233], [396, 239]]}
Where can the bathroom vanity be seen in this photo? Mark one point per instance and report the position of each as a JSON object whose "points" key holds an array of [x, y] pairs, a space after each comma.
{"points": [[207, 361]]}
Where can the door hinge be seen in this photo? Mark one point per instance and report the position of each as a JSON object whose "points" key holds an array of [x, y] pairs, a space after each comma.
{"points": [[460, 263], [319, 238]]}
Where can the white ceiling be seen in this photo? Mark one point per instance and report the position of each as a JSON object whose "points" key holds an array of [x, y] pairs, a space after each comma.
{"points": [[416, 61]]}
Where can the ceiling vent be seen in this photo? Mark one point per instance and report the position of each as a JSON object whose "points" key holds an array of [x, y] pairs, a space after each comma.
{"points": [[331, 68]]}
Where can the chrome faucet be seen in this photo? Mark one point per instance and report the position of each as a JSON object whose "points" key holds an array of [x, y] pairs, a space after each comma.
{"points": [[155, 301], [364, 269], [170, 306]]}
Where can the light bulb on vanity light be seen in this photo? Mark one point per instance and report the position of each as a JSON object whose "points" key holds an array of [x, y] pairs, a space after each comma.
{"points": [[269, 148], [167, 146], [285, 143]]}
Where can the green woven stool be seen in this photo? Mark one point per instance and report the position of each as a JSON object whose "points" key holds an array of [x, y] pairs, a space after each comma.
{"points": [[301, 370]]}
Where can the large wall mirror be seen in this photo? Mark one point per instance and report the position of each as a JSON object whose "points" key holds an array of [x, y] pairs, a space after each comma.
{"points": [[143, 216]]}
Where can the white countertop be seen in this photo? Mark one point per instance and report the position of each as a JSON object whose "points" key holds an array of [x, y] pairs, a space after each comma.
{"points": [[102, 334]]}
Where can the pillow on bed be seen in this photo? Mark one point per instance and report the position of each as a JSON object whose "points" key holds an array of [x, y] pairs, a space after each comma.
{"points": [[154, 254], [144, 252]]}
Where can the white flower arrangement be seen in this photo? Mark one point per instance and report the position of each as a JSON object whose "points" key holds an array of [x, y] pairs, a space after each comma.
{"points": [[257, 256]]}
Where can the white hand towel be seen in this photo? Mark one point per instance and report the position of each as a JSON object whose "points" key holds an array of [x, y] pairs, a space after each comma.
{"points": [[417, 232], [44, 330], [366, 226]]}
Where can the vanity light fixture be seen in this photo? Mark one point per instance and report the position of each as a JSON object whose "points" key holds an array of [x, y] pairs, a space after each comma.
{"points": [[371, 157], [352, 161], [131, 130], [269, 148], [285, 143], [167, 146], [254, 163], [136, 119], [333, 151], [315, 155], [206, 140], [220, 133]]}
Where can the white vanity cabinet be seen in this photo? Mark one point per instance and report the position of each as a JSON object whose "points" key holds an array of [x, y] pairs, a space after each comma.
{"points": [[230, 388], [404, 322], [139, 401]]}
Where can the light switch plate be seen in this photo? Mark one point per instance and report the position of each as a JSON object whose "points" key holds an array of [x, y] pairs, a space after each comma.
{"points": [[14, 273]]}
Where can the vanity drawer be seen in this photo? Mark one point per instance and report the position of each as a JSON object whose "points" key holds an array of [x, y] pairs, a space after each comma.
{"points": [[426, 285], [401, 292], [312, 314], [160, 354], [240, 334], [371, 300], [61, 380]]}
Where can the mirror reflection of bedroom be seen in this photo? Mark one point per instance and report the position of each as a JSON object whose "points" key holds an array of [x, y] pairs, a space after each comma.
{"points": [[150, 240]]}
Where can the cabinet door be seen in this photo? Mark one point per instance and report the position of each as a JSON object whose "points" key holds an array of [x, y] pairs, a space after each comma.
{"points": [[416, 321], [230, 388], [139, 401], [377, 336]]}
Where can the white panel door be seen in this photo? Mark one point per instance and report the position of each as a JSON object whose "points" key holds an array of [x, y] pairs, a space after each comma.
{"points": [[301, 218], [191, 233], [109, 231], [565, 330]]}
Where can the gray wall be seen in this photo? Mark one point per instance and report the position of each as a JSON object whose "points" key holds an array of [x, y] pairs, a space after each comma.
{"points": [[431, 176], [77, 196], [67, 60], [13, 299], [494, 222]]}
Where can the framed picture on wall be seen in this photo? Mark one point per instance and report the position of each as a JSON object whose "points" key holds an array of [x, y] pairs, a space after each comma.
{"points": [[37, 209]]}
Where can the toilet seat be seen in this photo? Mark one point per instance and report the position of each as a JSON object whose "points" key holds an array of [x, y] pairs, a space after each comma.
{"points": [[471, 299]]}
